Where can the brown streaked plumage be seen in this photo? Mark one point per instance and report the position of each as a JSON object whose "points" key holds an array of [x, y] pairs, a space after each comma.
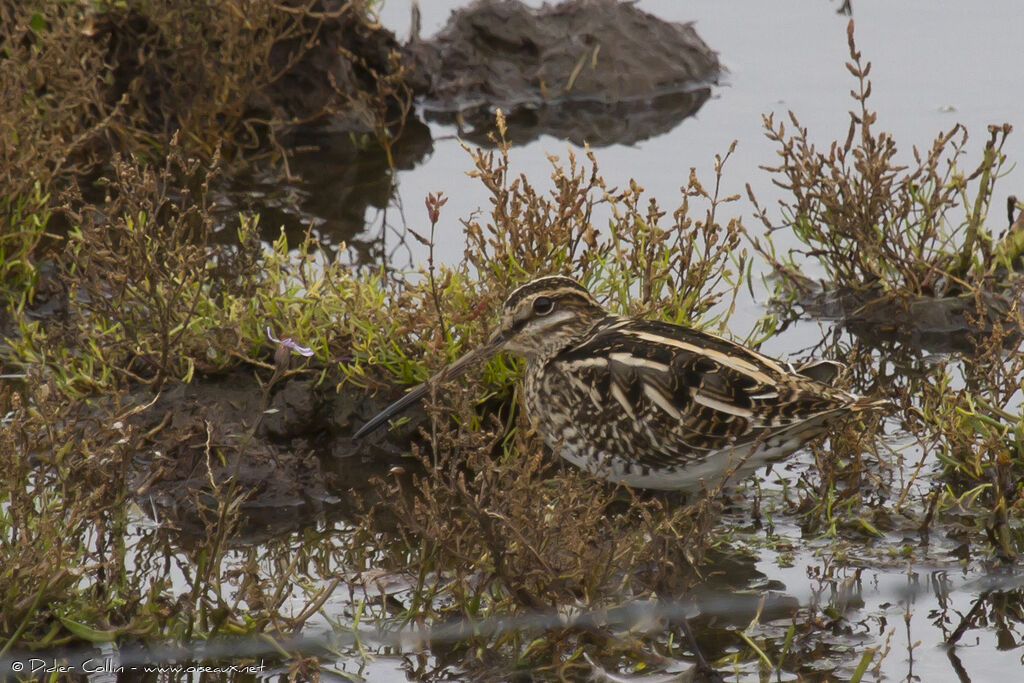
{"points": [[648, 403]]}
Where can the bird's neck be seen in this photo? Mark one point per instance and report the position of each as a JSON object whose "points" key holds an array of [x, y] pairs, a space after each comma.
{"points": [[557, 343]]}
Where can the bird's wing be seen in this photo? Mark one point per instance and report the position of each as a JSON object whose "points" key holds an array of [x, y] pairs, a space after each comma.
{"points": [[691, 392]]}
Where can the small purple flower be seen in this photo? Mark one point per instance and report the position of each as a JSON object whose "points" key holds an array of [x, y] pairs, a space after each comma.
{"points": [[290, 344]]}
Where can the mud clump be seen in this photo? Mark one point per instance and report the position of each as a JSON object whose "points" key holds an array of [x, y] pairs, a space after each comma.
{"points": [[940, 324], [292, 460], [596, 71], [201, 436]]}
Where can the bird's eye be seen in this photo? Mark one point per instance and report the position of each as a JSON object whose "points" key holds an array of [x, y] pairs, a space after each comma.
{"points": [[543, 305]]}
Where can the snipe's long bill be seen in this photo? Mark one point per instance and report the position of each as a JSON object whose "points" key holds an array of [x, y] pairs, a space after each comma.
{"points": [[648, 403]]}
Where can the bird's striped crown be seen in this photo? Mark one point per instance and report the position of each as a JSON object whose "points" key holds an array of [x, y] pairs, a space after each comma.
{"points": [[546, 314]]}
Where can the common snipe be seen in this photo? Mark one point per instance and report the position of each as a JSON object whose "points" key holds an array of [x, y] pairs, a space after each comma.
{"points": [[650, 404]]}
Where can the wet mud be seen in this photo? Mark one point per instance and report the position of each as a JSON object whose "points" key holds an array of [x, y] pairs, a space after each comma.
{"points": [[590, 71], [295, 462], [939, 324]]}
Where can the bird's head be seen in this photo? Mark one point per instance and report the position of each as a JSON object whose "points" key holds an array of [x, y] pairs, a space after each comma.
{"points": [[542, 316], [545, 314]]}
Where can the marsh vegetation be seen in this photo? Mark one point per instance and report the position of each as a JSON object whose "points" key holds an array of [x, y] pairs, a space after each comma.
{"points": [[178, 484]]}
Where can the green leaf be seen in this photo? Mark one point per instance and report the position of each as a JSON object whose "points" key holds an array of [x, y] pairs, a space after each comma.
{"points": [[93, 635]]}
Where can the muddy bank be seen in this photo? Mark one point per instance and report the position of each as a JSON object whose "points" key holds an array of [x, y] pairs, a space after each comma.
{"points": [[595, 71], [294, 461]]}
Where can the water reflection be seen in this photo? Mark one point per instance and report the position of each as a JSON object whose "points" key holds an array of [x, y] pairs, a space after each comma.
{"points": [[823, 632], [339, 180], [584, 123]]}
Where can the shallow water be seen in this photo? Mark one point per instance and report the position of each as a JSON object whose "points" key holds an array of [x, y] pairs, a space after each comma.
{"points": [[911, 606], [936, 63]]}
